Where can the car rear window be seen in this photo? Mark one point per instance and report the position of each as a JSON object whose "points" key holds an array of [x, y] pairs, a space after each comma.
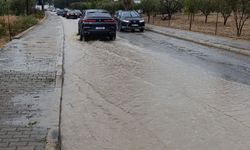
{"points": [[98, 14], [128, 14]]}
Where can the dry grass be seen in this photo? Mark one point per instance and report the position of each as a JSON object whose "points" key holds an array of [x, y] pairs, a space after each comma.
{"points": [[4, 19], [181, 22], [18, 24]]}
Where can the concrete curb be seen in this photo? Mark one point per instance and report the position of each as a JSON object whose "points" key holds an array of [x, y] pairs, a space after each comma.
{"points": [[222, 47], [53, 136], [20, 35]]}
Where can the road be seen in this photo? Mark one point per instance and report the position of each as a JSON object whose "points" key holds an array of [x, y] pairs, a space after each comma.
{"points": [[146, 91]]}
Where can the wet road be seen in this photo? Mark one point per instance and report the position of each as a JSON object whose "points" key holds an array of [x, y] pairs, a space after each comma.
{"points": [[146, 91]]}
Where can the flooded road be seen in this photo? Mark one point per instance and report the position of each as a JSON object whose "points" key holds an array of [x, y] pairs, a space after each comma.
{"points": [[146, 91]]}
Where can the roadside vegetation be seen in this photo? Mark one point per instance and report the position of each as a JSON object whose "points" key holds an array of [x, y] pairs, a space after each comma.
{"points": [[17, 16], [220, 17]]}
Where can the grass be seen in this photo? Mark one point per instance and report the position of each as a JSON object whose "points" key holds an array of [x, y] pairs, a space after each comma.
{"points": [[18, 24], [180, 21]]}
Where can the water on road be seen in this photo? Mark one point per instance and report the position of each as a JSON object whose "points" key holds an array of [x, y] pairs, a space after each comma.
{"points": [[146, 91]]}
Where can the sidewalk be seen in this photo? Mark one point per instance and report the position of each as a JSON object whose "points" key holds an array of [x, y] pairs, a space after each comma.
{"points": [[29, 103], [238, 46]]}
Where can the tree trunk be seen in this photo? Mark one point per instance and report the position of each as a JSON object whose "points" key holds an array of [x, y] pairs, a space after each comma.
{"points": [[169, 19], [206, 18], [27, 7], [148, 18], [225, 21], [42, 5], [216, 24], [190, 22]]}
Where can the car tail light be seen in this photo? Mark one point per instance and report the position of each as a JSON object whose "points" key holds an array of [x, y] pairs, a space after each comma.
{"points": [[88, 20], [111, 20]]}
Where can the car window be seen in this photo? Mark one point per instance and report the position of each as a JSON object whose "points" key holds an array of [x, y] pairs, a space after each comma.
{"points": [[128, 14], [98, 14]]}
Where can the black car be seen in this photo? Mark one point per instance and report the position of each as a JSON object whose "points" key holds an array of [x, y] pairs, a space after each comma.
{"points": [[129, 20], [71, 15], [96, 22]]}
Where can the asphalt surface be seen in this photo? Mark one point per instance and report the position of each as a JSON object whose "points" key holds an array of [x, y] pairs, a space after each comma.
{"points": [[146, 91]]}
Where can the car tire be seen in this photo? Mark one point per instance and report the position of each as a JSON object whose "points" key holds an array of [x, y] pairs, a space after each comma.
{"points": [[113, 37], [120, 28], [78, 33], [86, 38], [81, 37], [141, 30]]}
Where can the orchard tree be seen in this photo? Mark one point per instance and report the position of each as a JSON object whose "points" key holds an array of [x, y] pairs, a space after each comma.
{"points": [[225, 10], [191, 7], [170, 7], [206, 7], [128, 4], [149, 6], [241, 12], [216, 7]]}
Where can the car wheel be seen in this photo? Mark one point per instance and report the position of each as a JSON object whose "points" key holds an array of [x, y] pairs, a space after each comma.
{"points": [[141, 30], [78, 31], [86, 38], [113, 37], [81, 37], [120, 28]]}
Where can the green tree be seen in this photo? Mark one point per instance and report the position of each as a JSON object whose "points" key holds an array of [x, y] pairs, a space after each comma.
{"points": [[206, 7], [191, 7], [128, 4], [225, 10], [149, 6], [241, 12], [170, 7]]}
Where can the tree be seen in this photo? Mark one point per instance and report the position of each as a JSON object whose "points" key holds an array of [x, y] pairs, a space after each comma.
{"points": [[128, 4], [149, 6], [225, 10], [241, 12], [216, 7], [191, 6], [206, 7], [170, 7]]}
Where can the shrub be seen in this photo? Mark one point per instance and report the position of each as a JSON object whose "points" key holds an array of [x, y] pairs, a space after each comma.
{"points": [[23, 22], [39, 14], [2, 30]]}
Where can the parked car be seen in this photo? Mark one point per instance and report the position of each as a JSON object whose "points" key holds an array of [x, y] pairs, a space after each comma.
{"points": [[79, 13], [96, 22], [129, 20], [71, 15], [65, 11], [59, 12]]}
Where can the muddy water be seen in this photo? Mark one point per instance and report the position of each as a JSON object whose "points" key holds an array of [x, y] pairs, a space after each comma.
{"points": [[126, 96]]}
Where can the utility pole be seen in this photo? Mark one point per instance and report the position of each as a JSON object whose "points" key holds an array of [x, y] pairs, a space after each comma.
{"points": [[42, 5]]}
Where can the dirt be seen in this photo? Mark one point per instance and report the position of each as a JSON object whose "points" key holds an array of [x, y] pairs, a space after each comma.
{"points": [[180, 21]]}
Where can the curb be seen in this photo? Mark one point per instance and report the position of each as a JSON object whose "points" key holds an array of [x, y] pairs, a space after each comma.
{"points": [[20, 35], [54, 135], [222, 47]]}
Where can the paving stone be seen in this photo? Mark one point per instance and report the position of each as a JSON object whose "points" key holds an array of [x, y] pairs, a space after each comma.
{"points": [[3, 144], [27, 77], [26, 148]]}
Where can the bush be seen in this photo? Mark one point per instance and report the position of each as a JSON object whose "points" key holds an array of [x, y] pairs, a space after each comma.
{"points": [[2, 30], [23, 22], [39, 14]]}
